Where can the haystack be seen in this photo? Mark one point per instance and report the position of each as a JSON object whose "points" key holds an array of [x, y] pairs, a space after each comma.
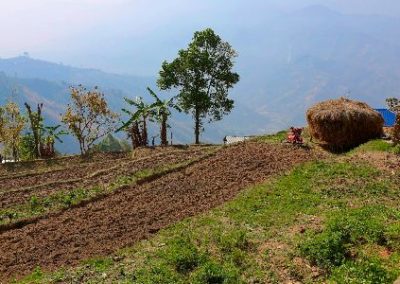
{"points": [[343, 123]]}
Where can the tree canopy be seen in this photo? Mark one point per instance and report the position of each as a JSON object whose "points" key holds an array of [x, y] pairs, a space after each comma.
{"points": [[203, 75], [88, 117]]}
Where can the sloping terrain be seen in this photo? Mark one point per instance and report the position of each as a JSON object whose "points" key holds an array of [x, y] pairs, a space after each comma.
{"points": [[135, 212], [330, 220], [18, 189]]}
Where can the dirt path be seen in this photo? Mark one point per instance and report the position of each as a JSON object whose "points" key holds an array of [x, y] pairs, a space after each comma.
{"points": [[136, 212]]}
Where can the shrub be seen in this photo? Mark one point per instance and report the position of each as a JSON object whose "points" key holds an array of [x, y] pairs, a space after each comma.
{"points": [[232, 240], [183, 255], [392, 236], [344, 231], [34, 203], [327, 249], [158, 274], [363, 225], [214, 273], [368, 271]]}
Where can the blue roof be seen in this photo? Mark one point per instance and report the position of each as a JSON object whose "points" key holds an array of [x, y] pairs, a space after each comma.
{"points": [[388, 116]]}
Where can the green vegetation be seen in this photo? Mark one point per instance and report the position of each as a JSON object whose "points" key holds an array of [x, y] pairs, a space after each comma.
{"points": [[12, 123], [203, 74], [136, 126], [326, 221], [378, 145], [112, 144], [273, 138], [88, 117], [394, 105]]}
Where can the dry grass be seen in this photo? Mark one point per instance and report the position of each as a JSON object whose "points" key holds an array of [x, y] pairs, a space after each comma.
{"points": [[343, 123]]}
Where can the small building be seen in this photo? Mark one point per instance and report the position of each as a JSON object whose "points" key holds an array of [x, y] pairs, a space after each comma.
{"points": [[388, 116]]}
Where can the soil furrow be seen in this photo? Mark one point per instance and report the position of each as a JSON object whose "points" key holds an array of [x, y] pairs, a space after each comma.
{"points": [[84, 178], [127, 216]]}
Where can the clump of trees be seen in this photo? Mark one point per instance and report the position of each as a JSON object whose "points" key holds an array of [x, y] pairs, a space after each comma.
{"points": [[88, 117], [394, 105], [137, 125], [24, 136]]}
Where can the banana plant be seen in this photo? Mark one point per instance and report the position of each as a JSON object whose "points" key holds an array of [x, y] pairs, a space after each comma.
{"points": [[53, 133], [137, 124], [161, 110]]}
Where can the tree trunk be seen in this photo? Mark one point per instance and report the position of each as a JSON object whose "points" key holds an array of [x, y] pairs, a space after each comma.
{"points": [[145, 140], [163, 134], [15, 153], [197, 126], [82, 147], [34, 121]]}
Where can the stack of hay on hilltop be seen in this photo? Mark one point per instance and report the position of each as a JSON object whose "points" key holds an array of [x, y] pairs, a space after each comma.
{"points": [[341, 124]]}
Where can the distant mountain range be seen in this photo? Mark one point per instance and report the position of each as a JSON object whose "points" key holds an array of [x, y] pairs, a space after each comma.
{"points": [[23, 79], [287, 62]]}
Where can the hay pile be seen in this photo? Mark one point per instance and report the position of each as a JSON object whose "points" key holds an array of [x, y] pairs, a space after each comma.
{"points": [[343, 123]]}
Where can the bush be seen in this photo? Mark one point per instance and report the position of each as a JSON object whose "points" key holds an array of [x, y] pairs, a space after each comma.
{"points": [[183, 255], [232, 240], [368, 271], [363, 225], [159, 274], [327, 249], [392, 236], [34, 203], [344, 231], [27, 148], [214, 273]]}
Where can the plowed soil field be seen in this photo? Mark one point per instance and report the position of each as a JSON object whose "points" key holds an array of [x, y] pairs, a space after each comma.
{"points": [[19, 189], [135, 212]]}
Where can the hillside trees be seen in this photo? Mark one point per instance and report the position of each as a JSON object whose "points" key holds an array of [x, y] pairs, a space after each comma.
{"points": [[88, 117], [203, 75], [12, 124]]}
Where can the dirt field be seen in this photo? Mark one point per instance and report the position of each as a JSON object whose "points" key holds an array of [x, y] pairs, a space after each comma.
{"points": [[20, 188], [135, 212]]}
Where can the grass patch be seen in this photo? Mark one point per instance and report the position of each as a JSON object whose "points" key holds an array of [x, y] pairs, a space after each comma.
{"points": [[347, 232], [377, 145], [273, 138], [323, 221]]}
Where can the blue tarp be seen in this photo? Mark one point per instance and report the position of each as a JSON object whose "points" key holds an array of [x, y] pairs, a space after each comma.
{"points": [[388, 116]]}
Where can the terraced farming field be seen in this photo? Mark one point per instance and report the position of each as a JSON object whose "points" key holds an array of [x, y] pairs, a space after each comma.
{"points": [[156, 217], [75, 210]]}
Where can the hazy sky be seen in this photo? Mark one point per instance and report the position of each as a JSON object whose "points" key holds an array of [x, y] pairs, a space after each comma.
{"points": [[99, 33]]}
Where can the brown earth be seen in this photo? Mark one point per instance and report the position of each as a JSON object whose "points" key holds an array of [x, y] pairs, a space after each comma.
{"points": [[19, 190], [32, 167], [136, 212]]}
